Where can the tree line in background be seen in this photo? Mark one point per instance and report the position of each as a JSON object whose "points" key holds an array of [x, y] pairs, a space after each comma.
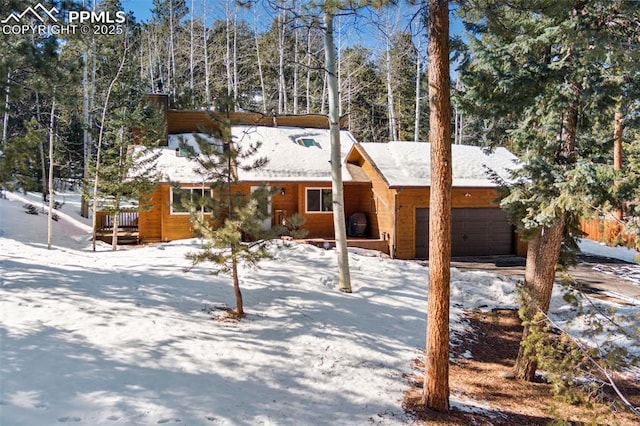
{"points": [[199, 52]]}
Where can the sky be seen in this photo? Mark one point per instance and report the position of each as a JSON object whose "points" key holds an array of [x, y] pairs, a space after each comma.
{"points": [[141, 8], [142, 12]]}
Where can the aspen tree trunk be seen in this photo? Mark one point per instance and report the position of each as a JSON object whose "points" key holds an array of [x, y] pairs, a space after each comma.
{"points": [[436, 379], [282, 88], [339, 61], [349, 92], [205, 48], [5, 118], [296, 68], [43, 161], [96, 179], [393, 126], [51, 141], [86, 134], [416, 123], [191, 55], [323, 101], [339, 221], [141, 56], [227, 56], [235, 60], [308, 92], [260, 72], [150, 62], [172, 50], [116, 202], [116, 224]]}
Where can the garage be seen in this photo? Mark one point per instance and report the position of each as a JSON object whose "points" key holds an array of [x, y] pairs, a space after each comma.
{"points": [[474, 232]]}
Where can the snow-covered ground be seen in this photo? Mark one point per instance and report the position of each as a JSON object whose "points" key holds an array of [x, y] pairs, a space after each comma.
{"points": [[630, 272], [126, 337]]}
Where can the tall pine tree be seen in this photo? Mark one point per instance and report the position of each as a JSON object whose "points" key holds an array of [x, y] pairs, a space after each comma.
{"points": [[537, 70], [221, 212]]}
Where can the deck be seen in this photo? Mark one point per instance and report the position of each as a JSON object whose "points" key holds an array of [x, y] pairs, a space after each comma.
{"points": [[127, 227], [128, 233]]}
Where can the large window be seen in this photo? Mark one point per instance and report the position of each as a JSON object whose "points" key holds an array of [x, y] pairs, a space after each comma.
{"points": [[181, 198], [319, 200]]}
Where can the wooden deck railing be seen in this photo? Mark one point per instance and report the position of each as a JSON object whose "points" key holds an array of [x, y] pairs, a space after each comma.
{"points": [[127, 221]]}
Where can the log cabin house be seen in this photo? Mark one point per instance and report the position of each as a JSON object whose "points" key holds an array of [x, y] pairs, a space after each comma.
{"points": [[298, 152], [386, 185]]}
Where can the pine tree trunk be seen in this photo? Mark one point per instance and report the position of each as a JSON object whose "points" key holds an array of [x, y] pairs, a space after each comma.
{"points": [[236, 288], [436, 380], [339, 221], [543, 253], [617, 154]]}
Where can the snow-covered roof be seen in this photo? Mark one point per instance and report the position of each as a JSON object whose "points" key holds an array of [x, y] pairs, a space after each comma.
{"points": [[409, 163], [293, 154]]}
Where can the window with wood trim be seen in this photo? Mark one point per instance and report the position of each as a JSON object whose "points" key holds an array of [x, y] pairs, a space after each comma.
{"points": [[182, 198], [319, 200]]}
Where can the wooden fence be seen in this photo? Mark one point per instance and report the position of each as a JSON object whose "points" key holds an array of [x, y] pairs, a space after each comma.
{"points": [[608, 231]]}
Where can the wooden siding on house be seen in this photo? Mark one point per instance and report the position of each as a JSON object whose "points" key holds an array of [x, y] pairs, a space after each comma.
{"points": [[381, 218], [357, 199], [158, 224], [410, 199], [195, 121], [174, 226], [284, 205], [150, 218]]}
